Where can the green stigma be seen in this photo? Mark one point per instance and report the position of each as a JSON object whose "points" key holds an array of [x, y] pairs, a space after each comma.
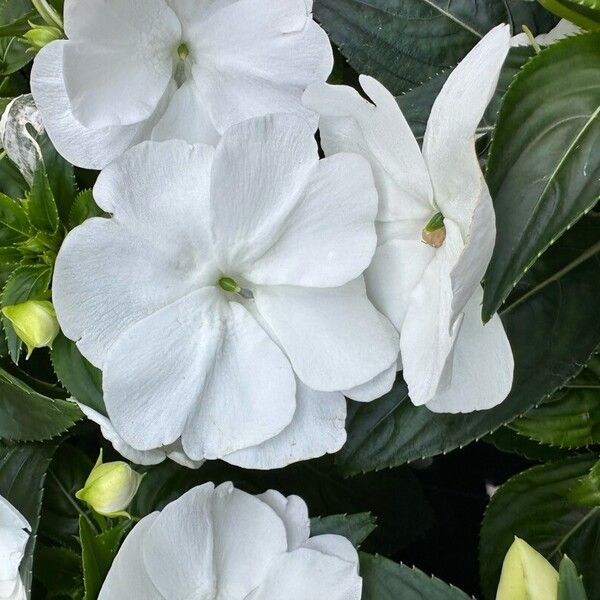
{"points": [[229, 285], [436, 222], [183, 51]]}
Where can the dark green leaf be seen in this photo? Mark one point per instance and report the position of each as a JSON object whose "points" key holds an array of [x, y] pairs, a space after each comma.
{"points": [[26, 415], [22, 473], [587, 490], [41, 206], [357, 528], [507, 440], [544, 165], [534, 505], [585, 13], [386, 580], [11, 181], [80, 378], [84, 208], [553, 327], [59, 571], [570, 585], [97, 553], [14, 224], [18, 27]]}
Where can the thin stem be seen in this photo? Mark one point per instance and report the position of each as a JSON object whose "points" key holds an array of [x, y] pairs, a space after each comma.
{"points": [[573, 530]]}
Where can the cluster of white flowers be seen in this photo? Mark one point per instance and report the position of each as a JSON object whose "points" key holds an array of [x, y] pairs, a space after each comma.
{"points": [[241, 287]]}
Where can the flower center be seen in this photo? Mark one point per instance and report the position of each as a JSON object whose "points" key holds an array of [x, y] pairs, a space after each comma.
{"points": [[231, 285], [183, 51], [182, 65], [434, 233]]}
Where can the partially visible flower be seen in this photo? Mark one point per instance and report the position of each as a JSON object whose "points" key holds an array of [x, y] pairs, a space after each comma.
{"points": [[134, 70], [436, 228], [14, 534], [34, 322], [224, 543], [224, 300], [562, 30], [110, 488], [526, 575]]}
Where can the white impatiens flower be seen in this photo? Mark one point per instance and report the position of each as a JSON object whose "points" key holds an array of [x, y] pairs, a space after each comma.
{"points": [[14, 534], [563, 29], [134, 70], [224, 300], [222, 543], [436, 228]]}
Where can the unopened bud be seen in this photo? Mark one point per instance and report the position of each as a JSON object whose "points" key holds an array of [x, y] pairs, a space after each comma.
{"points": [[34, 322], [41, 35], [110, 488], [434, 233], [526, 575]]}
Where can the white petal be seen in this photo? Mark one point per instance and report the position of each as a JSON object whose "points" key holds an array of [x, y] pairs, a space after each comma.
{"points": [[148, 457], [426, 339], [329, 237], [186, 119], [376, 387], [317, 428], [248, 537], [309, 574], [261, 167], [110, 273], [88, 148], [334, 545], [176, 454], [563, 29], [12, 551], [178, 549], [248, 395], [482, 365], [449, 143], [10, 517], [379, 132], [294, 514], [270, 51], [128, 577], [334, 337]]}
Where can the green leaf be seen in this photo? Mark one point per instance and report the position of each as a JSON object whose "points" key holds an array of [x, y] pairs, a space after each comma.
{"points": [[508, 440], [404, 44], [22, 474], [570, 584], [386, 580], [585, 13], [17, 27], [79, 377], [544, 165], [26, 415], [97, 553], [11, 180], [587, 490], [571, 417], [41, 206], [553, 326], [59, 571], [14, 224], [84, 208], [535, 506], [357, 528]]}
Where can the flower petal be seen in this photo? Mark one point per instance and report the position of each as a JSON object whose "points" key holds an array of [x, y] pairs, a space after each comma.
{"points": [[378, 131], [334, 337], [376, 387], [482, 365], [317, 428], [449, 143], [128, 577], [84, 147], [329, 237], [271, 52], [248, 395], [261, 167]]}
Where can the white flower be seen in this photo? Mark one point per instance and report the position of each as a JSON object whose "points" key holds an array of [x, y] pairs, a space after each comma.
{"points": [[563, 29], [134, 70], [224, 300], [14, 534], [224, 543], [431, 291]]}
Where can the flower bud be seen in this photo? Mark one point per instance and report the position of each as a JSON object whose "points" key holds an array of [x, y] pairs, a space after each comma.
{"points": [[110, 488], [41, 35], [34, 322], [526, 575], [434, 233]]}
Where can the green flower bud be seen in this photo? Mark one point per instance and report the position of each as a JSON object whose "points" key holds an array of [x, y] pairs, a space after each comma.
{"points": [[110, 488], [41, 35], [34, 322], [526, 575]]}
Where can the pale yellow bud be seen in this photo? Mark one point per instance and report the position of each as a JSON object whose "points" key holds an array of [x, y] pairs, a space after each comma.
{"points": [[42, 35], [34, 322], [526, 575], [110, 488]]}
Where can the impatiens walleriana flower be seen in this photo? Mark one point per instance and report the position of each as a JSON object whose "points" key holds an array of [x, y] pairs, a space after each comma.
{"points": [[214, 543], [134, 70], [224, 300], [436, 228], [14, 534]]}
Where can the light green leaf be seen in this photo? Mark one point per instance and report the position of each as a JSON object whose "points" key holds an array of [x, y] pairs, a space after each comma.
{"points": [[570, 584], [544, 164], [357, 528], [22, 474], [386, 580], [587, 490], [84, 208], [14, 224], [41, 206], [535, 506], [585, 13]]}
